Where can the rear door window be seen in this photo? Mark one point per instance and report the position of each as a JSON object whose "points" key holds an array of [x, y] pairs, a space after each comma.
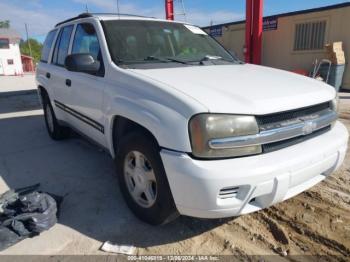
{"points": [[62, 45], [47, 46]]}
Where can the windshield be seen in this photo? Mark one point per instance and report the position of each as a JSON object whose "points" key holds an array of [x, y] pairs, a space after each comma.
{"points": [[132, 42]]}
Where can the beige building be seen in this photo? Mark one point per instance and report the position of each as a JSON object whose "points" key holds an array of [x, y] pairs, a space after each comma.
{"points": [[293, 41]]}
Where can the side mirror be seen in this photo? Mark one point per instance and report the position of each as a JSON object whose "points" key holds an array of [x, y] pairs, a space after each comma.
{"points": [[83, 63]]}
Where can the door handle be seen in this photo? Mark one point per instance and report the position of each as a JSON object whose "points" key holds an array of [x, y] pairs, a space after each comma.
{"points": [[68, 82], [48, 75]]}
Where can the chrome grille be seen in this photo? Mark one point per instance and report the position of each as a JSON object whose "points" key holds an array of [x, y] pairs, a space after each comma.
{"points": [[292, 114], [293, 141], [272, 121], [283, 129]]}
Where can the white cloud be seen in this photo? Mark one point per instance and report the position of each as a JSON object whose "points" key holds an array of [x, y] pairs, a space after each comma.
{"points": [[111, 7], [198, 17], [39, 21], [204, 18], [104, 4]]}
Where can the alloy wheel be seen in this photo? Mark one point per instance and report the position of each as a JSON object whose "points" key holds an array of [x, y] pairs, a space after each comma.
{"points": [[140, 179]]}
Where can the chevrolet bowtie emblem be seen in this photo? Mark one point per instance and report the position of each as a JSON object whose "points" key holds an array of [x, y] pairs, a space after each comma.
{"points": [[309, 127]]}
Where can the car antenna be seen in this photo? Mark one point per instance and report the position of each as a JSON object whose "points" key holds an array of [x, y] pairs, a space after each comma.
{"points": [[118, 10]]}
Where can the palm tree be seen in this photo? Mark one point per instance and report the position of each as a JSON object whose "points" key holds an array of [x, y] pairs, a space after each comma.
{"points": [[5, 24]]}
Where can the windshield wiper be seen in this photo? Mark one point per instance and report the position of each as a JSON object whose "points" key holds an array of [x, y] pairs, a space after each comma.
{"points": [[210, 57], [154, 58], [215, 58], [165, 59], [177, 60]]}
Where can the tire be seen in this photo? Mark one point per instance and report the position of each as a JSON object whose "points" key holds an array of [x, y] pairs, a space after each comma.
{"points": [[157, 206], [55, 130]]}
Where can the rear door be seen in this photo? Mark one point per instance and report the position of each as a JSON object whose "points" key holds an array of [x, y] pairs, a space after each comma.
{"points": [[43, 72], [86, 90], [58, 74]]}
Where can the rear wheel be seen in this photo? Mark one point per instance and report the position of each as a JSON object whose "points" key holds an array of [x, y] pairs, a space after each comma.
{"points": [[55, 130], [143, 181]]}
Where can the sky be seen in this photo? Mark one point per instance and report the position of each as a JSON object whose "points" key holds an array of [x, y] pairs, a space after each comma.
{"points": [[42, 15]]}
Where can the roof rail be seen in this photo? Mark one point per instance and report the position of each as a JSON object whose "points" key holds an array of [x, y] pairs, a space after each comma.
{"points": [[85, 15], [120, 14]]}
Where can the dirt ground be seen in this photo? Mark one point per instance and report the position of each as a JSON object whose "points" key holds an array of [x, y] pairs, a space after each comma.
{"points": [[316, 222]]}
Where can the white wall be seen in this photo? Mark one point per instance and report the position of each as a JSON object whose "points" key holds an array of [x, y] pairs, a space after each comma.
{"points": [[12, 53]]}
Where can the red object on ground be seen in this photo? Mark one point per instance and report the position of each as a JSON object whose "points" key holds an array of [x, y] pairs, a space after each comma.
{"points": [[28, 63], [254, 30], [169, 9]]}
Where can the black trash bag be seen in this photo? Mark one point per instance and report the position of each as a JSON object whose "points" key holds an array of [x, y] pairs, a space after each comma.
{"points": [[8, 238], [25, 213]]}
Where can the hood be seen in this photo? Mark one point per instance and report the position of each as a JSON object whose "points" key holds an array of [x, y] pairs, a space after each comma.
{"points": [[243, 89]]}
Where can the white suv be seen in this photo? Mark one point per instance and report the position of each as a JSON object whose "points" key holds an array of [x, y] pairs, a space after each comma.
{"points": [[193, 130]]}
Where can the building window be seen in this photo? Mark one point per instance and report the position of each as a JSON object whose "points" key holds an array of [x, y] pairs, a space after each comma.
{"points": [[4, 43], [10, 61], [310, 36]]}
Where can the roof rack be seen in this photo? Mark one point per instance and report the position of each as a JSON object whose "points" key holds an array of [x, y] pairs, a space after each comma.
{"points": [[86, 15], [121, 14], [83, 15]]}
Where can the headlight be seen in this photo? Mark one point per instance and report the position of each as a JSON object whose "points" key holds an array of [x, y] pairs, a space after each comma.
{"points": [[335, 104], [205, 127], [335, 107]]}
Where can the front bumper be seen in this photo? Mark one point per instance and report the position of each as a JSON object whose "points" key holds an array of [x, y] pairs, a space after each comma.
{"points": [[261, 180]]}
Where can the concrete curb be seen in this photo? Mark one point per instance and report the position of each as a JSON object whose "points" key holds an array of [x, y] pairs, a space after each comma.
{"points": [[17, 93]]}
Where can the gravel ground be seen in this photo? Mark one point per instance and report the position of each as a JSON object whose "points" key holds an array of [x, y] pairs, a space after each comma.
{"points": [[316, 222]]}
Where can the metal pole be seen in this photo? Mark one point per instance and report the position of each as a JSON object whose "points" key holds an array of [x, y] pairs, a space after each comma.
{"points": [[118, 10], [169, 9], [183, 10], [28, 42], [254, 31], [248, 31], [257, 31]]}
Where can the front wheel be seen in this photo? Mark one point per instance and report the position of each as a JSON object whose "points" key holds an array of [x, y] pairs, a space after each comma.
{"points": [[143, 181]]}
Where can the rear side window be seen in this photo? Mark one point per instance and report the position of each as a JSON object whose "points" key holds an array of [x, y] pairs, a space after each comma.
{"points": [[86, 41], [62, 45], [47, 46]]}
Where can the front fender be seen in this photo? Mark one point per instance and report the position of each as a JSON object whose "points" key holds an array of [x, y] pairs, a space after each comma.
{"points": [[169, 127]]}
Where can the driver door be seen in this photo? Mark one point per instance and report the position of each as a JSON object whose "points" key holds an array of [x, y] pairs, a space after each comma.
{"points": [[86, 90]]}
